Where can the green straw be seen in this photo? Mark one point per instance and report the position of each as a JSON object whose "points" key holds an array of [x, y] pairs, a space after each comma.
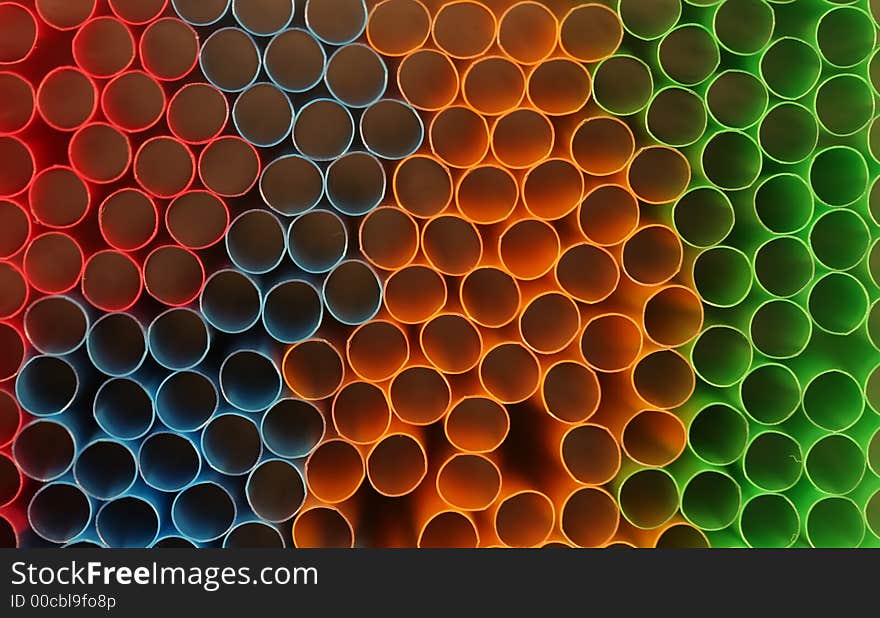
{"points": [[780, 329], [835, 522], [736, 99], [784, 203], [839, 175], [874, 139], [873, 322], [731, 160], [622, 85], [676, 117], [872, 390], [722, 276], [682, 536], [844, 104], [770, 393], [710, 500], [788, 133], [790, 68], [743, 27], [833, 400], [773, 461], [769, 521], [703, 216], [874, 201], [718, 434], [835, 464], [838, 303], [721, 356], [648, 498], [783, 266], [839, 239], [872, 513], [649, 19], [845, 36], [688, 55]]}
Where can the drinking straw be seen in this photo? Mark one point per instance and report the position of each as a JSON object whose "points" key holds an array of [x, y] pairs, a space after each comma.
{"points": [[169, 49], [676, 116], [524, 519], [459, 137], [178, 338], [44, 450], [838, 303], [658, 174], [722, 264], [844, 104], [15, 229], [476, 424], [255, 242], [449, 529], [201, 12], [19, 97], [622, 85], [389, 238], [99, 152], [292, 428], [59, 512], [550, 322], [672, 316], [317, 241], [263, 18], [790, 67], [361, 412], [469, 482], [186, 401], [559, 86], [10, 418], [737, 99], [229, 166], [16, 290], [397, 27], [105, 469], [428, 79], [718, 434], [461, 42], [123, 409], [13, 348], [711, 500], [722, 355], [603, 145], [197, 113], [416, 293], [322, 526], [487, 194], [334, 471], [552, 189], [590, 32], [59, 197], [112, 281], [420, 395], [845, 36], [313, 369], [128, 219], [689, 54], [116, 344], [834, 522], [391, 129], [529, 248], [528, 32], [493, 85], [173, 275], [168, 461], [356, 76], [649, 20], [275, 490], [377, 350], [744, 28], [294, 60], [320, 144], [648, 498], [769, 520], [66, 98], [510, 372], [838, 175], [611, 342], [65, 14], [839, 239], [336, 22], [653, 255], [654, 438], [263, 115], [773, 461], [253, 535], [570, 392], [352, 293], [784, 203], [451, 342], [249, 380], [663, 379], [203, 511], [396, 465], [422, 186], [587, 273], [19, 166], [355, 183], [731, 160], [590, 454], [46, 385], [230, 59], [292, 311], [230, 301], [197, 219], [835, 463]]}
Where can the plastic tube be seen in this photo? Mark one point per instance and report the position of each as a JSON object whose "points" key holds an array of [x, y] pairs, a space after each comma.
{"points": [[361, 412], [230, 60], [449, 529], [603, 145], [112, 281], [168, 461], [529, 248], [58, 197], [396, 465], [722, 264], [275, 490], [46, 385], [116, 344], [469, 482], [18, 166], [611, 342], [589, 517], [487, 194], [377, 350], [524, 519], [590, 454], [422, 186], [838, 303], [649, 20], [13, 347], [414, 294], [356, 75], [688, 55], [15, 289], [622, 85], [722, 355], [255, 241], [56, 325], [123, 409], [19, 97], [65, 14], [737, 100], [128, 219], [681, 536], [459, 137], [549, 323], [788, 133], [590, 32], [174, 542], [510, 372], [654, 438], [249, 380], [731, 160], [783, 266], [133, 101], [570, 392], [552, 189], [835, 464], [203, 512], [186, 400], [99, 152], [718, 434], [322, 526], [197, 219], [658, 174], [790, 67], [291, 185], [773, 461], [653, 255], [833, 400], [355, 183], [313, 369], [397, 27], [253, 535], [844, 104], [522, 138], [609, 213], [67, 98], [835, 522], [263, 115], [197, 113], [528, 32], [292, 311], [352, 293], [769, 520], [676, 117], [559, 87], [169, 49], [493, 85], [780, 329], [103, 47], [53, 263], [490, 297], [420, 395], [744, 28], [451, 343], [756, 389], [336, 22], [461, 42], [44, 450], [310, 130], [294, 60], [59, 512], [389, 238], [452, 245], [587, 273], [15, 229], [391, 129], [292, 428], [105, 469], [263, 18], [10, 418], [229, 166], [845, 36], [173, 275], [178, 338], [317, 241], [711, 500], [8, 534], [334, 471], [428, 80], [230, 301], [663, 379], [673, 316], [838, 175], [201, 12], [476, 425], [648, 498], [137, 13]]}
